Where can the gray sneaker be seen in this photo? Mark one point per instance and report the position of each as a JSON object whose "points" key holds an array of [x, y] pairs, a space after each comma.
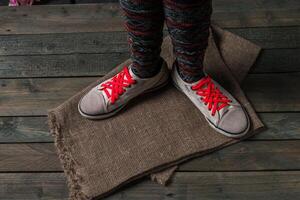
{"points": [[222, 111], [110, 96]]}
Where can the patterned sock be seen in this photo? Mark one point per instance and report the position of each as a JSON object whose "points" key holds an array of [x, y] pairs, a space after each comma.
{"points": [[144, 22], [188, 23]]}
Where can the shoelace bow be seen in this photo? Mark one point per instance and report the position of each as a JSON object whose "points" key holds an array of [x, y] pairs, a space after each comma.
{"points": [[211, 95], [117, 84]]}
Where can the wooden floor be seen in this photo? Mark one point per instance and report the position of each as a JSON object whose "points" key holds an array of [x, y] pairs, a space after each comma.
{"points": [[48, 53]]}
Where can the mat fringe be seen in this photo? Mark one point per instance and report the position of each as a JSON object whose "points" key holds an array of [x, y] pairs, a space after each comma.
{"points": [[74, 180]]}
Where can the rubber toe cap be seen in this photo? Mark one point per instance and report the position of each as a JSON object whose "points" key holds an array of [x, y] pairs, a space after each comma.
{"points": [[234, 122], [92, 103]]}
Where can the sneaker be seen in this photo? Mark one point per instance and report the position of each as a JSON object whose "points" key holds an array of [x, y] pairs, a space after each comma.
{"points": [[110, 96], [222, 111]]}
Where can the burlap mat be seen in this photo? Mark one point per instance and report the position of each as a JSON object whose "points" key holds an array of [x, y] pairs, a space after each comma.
{"points": [[154, 133]]}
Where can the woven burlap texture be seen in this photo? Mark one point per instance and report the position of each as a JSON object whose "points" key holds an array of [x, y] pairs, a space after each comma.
{"points": [[155, 132]]}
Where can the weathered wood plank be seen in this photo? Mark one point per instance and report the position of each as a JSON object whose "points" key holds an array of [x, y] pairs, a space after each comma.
{"points": [[244, 5], [29, 157], [61, 19], [5, 2], [277, 60], [36, 96], [245, 156], [108, 42], [25, 97], [33, 186], [24, 129], [55, 2], [281, 126], [273, 92], [287, 60], [256, 18], [188, 186], [63, 43], [271, 37], [60, 65], [248, 156], [108, 16]]}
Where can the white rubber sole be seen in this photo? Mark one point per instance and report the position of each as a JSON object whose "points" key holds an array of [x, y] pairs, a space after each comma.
{"points": [[114, 112], [231, 135]]}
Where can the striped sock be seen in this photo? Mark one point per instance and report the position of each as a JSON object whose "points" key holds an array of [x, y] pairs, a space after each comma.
{"points": [[188, 23], [144, 22]]}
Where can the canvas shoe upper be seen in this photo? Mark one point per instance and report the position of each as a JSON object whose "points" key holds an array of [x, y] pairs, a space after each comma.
{"points": [[110, 96], [223, 112]]}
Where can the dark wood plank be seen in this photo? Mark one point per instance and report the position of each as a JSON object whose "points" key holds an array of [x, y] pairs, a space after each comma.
{"points": [[29, 157], [188, 186], [25, 97], [249, 156], [287, 60], [234, 4], [107, 16], [271, 37], [256, 18], [5, 2], [277, 60], [108, 42], [35, 96], [63, 43], [274, 92], [33, 186], [55, 2], [245, 156], [61, 19], [281, 126], [244, 5], [24, 129], [60, 65]]}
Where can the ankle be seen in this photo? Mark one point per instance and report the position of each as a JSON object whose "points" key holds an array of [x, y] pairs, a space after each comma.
{"points": [[147, 71], [190, 78]]}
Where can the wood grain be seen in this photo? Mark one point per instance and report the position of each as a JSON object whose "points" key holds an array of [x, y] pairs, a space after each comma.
{"points": [[273, 92], [21, 97], [197, 185], [72, 65], [281, 126], [41, 42], [245, 156], [44, 2], [277, 60], [29, 157], [24, 129], [27, 97], [115, 42], [108, 16], [249, 156], [271, 37], [60, 65], [63, 43]]}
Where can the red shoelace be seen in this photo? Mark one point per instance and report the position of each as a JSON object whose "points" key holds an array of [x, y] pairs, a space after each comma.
{"points": [[211, 95], [116, 86]]}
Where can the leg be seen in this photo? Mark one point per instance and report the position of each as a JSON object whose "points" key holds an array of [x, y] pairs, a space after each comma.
{"points": [[188, 23], [144, 21]]}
